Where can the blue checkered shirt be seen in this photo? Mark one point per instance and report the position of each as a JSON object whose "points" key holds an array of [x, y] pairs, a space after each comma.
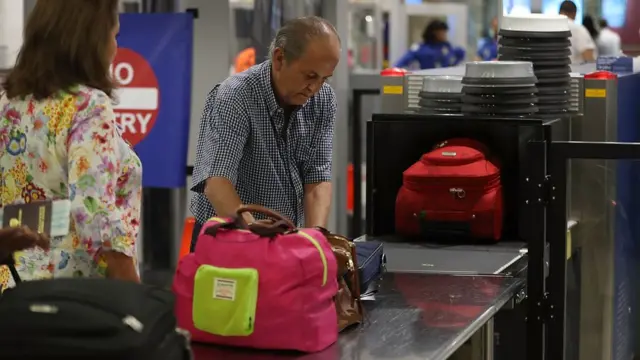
{"points": [[241, 139]]}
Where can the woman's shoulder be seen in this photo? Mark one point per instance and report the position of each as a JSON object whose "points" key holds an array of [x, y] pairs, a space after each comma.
{"points": [[93, 95], [81, 96]]}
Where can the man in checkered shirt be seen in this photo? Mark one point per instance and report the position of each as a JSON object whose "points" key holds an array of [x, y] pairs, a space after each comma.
{"points": [[266, 134]]}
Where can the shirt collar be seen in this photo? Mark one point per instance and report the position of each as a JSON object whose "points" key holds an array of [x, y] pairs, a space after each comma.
{"points": [[267, 88]]}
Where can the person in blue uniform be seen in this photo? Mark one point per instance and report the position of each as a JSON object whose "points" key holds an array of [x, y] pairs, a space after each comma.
{"points": [[488, 48], [435, 51]]}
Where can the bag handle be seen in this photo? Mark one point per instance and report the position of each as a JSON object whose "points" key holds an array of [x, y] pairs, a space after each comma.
{"points": [[276, 225], [263, 211]]}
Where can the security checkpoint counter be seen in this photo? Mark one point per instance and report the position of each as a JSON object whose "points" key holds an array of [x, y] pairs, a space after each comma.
{"points": [[422, 312]]}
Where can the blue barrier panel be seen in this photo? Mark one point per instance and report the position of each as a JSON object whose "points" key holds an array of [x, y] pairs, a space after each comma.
{"points": [[154, 67]]}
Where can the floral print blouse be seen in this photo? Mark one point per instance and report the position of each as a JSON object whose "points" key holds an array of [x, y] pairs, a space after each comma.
{"points": [[69, 147]]}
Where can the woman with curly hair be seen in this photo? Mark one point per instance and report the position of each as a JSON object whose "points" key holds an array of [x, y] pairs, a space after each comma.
{"points": [[59, 140]]}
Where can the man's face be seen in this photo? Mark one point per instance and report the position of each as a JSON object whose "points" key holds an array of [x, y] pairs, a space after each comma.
{"points": [[297, 81]]}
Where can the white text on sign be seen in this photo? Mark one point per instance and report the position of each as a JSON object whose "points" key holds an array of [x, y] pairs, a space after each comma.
{"points": [[131, 122], [137, 99], [133, 102], [122, 72]]}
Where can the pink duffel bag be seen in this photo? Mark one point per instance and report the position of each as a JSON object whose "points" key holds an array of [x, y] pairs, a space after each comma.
{"points": [[263, 286]]}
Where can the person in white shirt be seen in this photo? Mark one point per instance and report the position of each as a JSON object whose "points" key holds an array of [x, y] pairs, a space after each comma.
{"points": [[583, 48], [608, 42]]}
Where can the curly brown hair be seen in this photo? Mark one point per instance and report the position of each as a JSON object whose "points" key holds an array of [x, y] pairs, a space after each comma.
{"points": [[66, 43]]}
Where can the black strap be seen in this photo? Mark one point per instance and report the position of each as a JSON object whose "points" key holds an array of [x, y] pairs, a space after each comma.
{"points": [[14, 274]]}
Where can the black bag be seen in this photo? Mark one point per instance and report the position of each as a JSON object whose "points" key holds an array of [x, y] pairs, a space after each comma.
{"points": [[89, 319], [371, 264]]}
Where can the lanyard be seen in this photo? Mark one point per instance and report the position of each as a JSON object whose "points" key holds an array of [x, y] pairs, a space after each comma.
{"points": [[284, 156]]}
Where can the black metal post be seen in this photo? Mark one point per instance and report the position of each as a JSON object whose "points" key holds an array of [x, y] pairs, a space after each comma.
{"points": [[356, 151], [158, 206], [534, 222], [556, 232], [369, 228]]}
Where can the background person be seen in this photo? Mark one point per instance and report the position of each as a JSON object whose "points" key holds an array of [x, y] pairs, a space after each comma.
{"points": [[583, 48], [592, 28], [59, 139], [266, 134], [435, 51], [609, 43], [488, 49]]}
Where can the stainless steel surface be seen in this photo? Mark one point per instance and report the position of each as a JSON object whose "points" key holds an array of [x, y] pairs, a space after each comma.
{"points": [[445, 258], [577, 86], [363, 79], [454, 70], [337, 12], [443, 83], [399, 324], [488, 334], [480, 346], [583, 68], [591, 187], [577, 91], [414, 81]]}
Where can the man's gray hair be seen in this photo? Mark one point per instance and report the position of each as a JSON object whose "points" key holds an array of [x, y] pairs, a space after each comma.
{"points": [[293, 37]]}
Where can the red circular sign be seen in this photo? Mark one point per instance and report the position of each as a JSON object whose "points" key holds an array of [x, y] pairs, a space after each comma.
{"points": [[138, 98]]}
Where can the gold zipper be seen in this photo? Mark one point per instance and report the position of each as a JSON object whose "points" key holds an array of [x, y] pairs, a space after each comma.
{"points": [[323, 258]]}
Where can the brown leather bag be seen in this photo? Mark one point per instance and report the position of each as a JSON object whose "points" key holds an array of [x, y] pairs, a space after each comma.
{"points": [[348, 304]]}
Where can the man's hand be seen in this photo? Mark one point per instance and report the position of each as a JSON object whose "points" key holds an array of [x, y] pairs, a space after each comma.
{"points": [[20, 238]]}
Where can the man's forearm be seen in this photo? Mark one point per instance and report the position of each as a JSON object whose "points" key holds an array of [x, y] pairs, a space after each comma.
{"points": [[223, 197], [317, 204]]}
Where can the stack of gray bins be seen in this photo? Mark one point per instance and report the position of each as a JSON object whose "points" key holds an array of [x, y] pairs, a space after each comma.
{"points": [[440, 95], [499, 89], [544, 41]]}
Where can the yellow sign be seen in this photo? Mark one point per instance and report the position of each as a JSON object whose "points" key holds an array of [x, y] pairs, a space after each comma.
{"points": [[595, 93], [392, 89]]}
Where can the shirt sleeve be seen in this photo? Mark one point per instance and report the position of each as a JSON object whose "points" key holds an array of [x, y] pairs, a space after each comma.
{"points": [[318, 169], [94, 167], [617, 45], [459, 54], [407, 59], [224, 130]]}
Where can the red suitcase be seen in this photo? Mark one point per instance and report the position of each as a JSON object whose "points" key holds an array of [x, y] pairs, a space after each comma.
{"points": [[454, 190]]}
